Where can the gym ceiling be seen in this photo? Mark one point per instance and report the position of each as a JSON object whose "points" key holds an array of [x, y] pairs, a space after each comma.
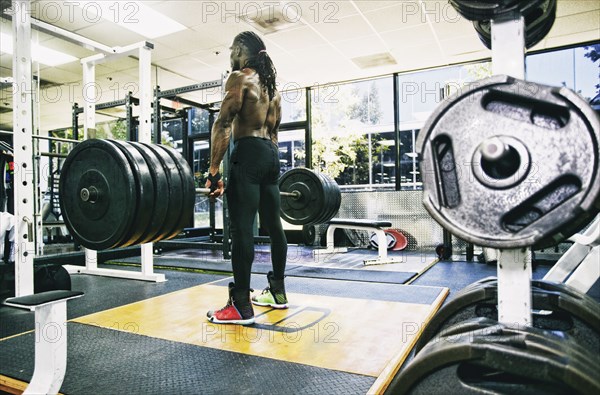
{"points": [[311, 43]]}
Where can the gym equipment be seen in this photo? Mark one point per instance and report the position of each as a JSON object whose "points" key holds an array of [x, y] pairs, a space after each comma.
{"points": [[484, 357], [557, 307], [490, 9], [538, 22], [315, 198], [362, 225], [391, 240], [50, 350], [309, 234], [396, 241], [116, 194], [489, 150], [51, 278]]}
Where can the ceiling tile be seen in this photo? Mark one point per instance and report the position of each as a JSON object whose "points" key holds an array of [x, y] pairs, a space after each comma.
{"points": [[368, 5], [65, 14], [318, 12], [576, 23], [462, 45], [224, 33], [192, 13], [187, 66], [297, 39], [419, 57], [186, 41], [420, 35], [361, 47], [396, 17], [569, 39], [345, 29], [569, 7], [108, 33], [448, 28]]}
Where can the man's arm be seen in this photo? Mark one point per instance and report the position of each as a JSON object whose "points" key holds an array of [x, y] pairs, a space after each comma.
{"points": [[221, 131], [273, 133]]}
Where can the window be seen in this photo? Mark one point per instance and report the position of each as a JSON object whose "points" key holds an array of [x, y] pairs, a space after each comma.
{"points": [[199, 121], [351, 126], [573, 68], [172, 133], [200, 163], [293, 106], [292, 150], [419, 95]]}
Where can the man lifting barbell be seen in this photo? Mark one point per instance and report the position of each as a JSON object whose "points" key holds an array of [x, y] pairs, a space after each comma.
{"points": [[251, 110]]}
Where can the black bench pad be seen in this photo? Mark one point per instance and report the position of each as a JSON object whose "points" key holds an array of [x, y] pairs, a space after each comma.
{"points": [[360, 222], [42, 298]]}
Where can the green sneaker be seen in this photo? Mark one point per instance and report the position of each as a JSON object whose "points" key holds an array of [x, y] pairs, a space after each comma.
{"points": [[272, 296]]}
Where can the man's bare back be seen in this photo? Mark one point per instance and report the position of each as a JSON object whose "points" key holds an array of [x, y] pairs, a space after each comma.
{"points": [[258, 116]]}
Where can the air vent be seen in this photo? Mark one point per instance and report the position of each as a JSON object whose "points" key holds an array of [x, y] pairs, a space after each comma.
{"points": [[271, 19], [376, 60]]}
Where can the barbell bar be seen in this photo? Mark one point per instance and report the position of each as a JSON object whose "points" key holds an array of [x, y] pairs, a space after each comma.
{"points": [[293, 194], [115, 194]]}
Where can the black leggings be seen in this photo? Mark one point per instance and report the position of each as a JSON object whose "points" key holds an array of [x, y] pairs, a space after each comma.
{"points": [[253, 186]]}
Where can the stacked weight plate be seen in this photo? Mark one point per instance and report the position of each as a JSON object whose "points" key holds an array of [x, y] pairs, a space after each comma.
{"points": [[538, 22], [115, 194], [319, 199], [557, 307], [482, 356]]}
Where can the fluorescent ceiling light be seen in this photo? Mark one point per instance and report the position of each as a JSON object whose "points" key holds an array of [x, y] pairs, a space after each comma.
{"points": [[132, 15], [44, 55]]}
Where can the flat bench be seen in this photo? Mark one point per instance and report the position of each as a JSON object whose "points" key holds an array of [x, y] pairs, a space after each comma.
{"points": [[360, 224], [51, 345]]}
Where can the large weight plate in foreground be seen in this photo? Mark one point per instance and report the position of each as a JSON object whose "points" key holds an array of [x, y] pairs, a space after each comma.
{"points": [[101, 221], [186, 210], [541, 191], [160, 193], [174, 199], [145, 190]]}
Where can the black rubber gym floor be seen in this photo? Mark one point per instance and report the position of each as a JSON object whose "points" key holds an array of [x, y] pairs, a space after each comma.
{"points": [[105, 360], [102, 293], [293, 270]]}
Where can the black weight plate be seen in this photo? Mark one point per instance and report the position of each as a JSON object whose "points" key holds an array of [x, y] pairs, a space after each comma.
{"points": [[160, 193], [560, 309], [306, 209], [336, 194], [551, 192], [51, 278], [309, 234], [186, 211], [104, 223], [174, 200], [334, 198], [328, 200], [499, 360], [477, 10], [145, 190], [538, 23]]}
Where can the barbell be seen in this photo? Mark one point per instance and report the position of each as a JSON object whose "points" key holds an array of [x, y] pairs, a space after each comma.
{"points": [[116, 194]]}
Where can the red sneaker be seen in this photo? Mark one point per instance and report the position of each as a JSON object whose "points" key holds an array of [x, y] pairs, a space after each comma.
{"points": [[238, 309]]}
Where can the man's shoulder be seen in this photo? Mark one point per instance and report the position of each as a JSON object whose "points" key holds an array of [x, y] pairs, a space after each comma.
{"points": [[240, 77]]}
